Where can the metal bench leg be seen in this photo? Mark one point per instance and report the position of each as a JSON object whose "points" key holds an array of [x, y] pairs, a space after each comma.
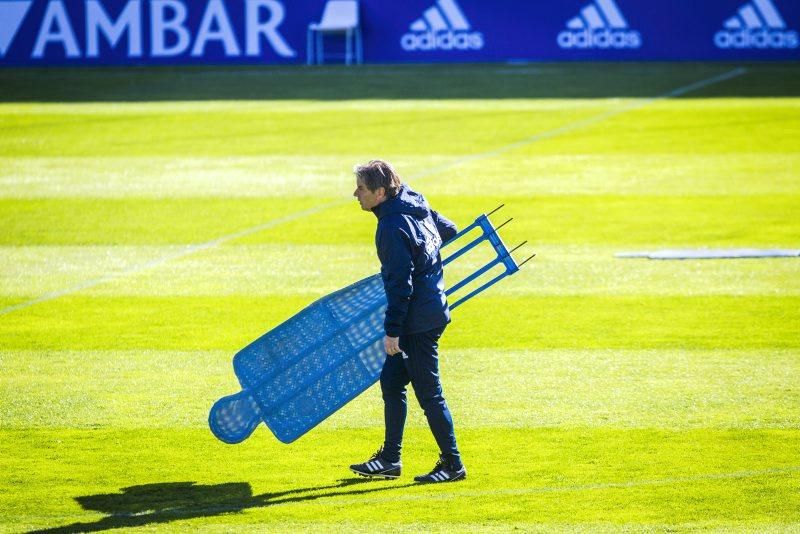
{"points": [[359, 50], [309, 47], [348, 47]]}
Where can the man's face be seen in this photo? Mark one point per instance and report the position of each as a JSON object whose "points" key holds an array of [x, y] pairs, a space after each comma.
{"points": [[368, 199]]}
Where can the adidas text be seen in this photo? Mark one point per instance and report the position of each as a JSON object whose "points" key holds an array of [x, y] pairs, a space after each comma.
{"points": [[599, 24], [756, 39], [601, 38], [756, 24], [447, 40]]}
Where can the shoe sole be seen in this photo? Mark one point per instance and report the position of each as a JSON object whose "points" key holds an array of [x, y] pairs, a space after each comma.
{"points": [[375, 475], [456, 479]]}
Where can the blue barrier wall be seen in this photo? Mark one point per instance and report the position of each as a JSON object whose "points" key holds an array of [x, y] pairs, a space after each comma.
{"points": [[152, 32]]}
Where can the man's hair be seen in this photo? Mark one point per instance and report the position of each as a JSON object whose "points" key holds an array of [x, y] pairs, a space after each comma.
{"points": [[378, 173]]}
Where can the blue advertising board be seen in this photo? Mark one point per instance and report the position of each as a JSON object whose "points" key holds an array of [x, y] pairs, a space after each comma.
{"points": [[152, 32]]}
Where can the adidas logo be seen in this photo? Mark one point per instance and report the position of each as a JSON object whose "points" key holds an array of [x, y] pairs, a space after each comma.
{"points": [[599, 25], [441, 27], [757, 24]]}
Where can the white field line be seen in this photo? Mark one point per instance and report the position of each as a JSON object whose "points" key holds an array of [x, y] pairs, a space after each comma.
{"points": [[572, 126], [567, 489], [191, 249], [332, 498]]}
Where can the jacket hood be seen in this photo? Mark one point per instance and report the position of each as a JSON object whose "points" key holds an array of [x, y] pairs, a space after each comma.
{"points": [[406, 201]]}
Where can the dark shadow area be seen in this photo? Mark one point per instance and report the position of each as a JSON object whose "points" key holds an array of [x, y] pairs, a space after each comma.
{"points": [[454, 81], [171, 501]]}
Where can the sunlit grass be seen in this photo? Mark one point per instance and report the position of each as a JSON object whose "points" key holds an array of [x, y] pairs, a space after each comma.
{"points": [[154, 221]]}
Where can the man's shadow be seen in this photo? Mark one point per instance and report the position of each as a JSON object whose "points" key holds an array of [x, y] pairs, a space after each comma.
{"points": [[172, 501]]}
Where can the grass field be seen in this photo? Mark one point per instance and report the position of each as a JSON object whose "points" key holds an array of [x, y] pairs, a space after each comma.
{"points": [[154, 221]]}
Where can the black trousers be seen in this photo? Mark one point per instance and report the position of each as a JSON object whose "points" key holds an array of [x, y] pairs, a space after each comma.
{"points": [[419, 365]]}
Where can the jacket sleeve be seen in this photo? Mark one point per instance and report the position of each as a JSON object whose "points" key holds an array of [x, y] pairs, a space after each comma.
{"points": [[395, 247], [447, 229]]}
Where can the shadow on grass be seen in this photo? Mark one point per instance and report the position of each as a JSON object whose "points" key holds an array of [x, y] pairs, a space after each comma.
{"points": [[171, 501], [400, 82]]}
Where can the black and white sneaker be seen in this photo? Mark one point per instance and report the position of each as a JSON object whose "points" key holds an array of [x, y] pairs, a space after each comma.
{"points": [[377, 467], [443, 472]]}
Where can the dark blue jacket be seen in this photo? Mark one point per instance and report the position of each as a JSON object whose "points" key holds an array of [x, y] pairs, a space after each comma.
{"points": [[408, 238]]}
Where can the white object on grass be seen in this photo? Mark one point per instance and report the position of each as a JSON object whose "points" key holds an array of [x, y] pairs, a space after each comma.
{"points": [[711, 254]]}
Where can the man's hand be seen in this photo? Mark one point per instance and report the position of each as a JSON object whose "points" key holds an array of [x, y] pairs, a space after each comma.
{"points": [[391, 344]]}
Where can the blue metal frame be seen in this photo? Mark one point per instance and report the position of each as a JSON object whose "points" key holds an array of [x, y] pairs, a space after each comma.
{"points": [[488, 233]]}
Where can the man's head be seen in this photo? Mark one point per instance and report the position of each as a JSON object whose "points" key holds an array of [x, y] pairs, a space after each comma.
{"points": [[375, 182]]}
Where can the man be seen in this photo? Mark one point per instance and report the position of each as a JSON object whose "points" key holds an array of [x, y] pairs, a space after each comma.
{"points": [[408, 238]]}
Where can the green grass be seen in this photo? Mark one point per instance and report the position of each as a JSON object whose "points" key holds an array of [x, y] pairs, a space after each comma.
{"points": [[154, 221], [618, 220], [577, 477], [629, 321]]}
